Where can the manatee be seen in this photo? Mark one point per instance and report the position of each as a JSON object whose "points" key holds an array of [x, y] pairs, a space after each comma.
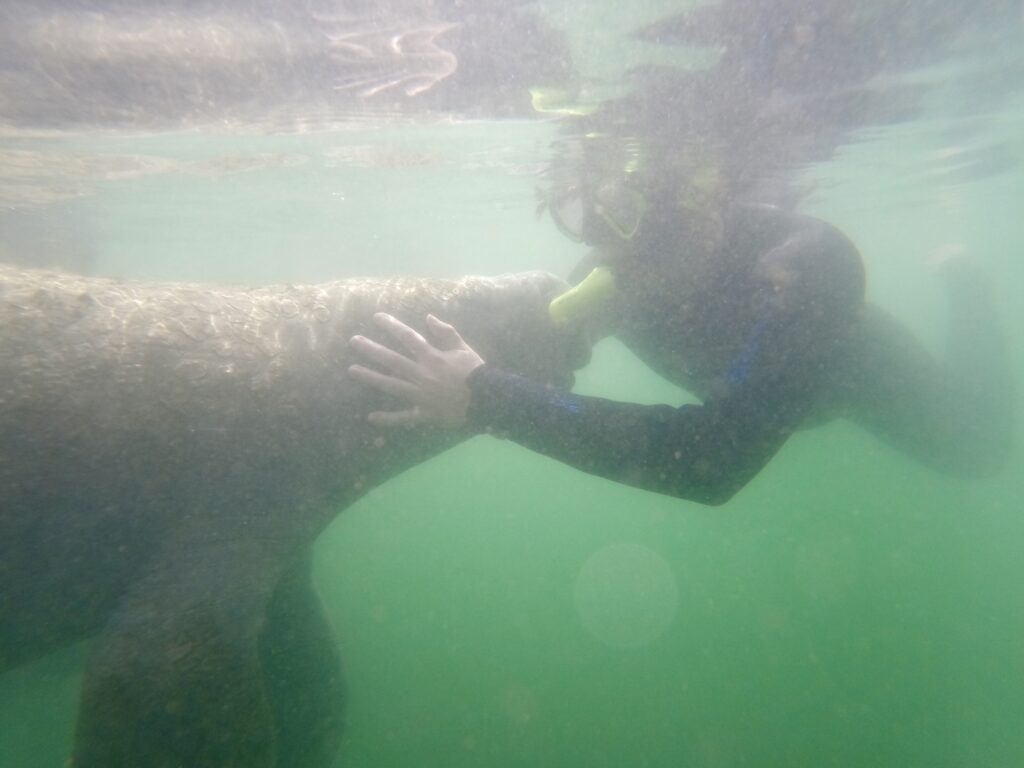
{"points": [[168, 455]]}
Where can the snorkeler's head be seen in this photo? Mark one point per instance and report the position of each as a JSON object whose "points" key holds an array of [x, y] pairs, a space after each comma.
{"points": [[618, 198], [654, 229]]}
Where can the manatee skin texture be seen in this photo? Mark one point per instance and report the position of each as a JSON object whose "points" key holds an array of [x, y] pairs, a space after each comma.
{"points": [[168, 454]]}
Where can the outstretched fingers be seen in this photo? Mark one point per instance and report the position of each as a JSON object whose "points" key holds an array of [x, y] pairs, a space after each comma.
{"points": [[383, 382], [408, 337], [445, 333], [395, 362], [430, 379]]}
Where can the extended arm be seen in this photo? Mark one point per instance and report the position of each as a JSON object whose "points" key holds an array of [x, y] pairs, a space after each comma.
{"points": [[704, 453]]}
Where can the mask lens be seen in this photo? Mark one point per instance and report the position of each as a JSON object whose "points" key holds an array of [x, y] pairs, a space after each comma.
{"points": [[567, 210], [621, 208]]}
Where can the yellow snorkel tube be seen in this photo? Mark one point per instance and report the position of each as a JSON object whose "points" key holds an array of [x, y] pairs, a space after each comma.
{"points": [[581, 301]]}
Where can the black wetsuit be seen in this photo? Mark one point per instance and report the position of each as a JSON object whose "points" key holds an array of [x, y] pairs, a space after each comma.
{"points": [[778, 339]]}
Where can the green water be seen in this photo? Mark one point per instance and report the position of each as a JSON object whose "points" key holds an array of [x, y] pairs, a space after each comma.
{"points": [[848, 608]]}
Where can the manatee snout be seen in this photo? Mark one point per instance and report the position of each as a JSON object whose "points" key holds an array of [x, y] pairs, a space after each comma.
{"points": [[512, 329]]}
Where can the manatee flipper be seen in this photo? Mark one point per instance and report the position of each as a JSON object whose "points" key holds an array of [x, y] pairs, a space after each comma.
{"points": [[303, 673], [175, 678]]}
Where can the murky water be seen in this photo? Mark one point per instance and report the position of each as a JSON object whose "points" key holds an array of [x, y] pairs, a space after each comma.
{"points": [[494, 608]]}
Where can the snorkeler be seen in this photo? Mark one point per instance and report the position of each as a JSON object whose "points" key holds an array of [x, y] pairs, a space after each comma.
{"points": [[757, 311]]}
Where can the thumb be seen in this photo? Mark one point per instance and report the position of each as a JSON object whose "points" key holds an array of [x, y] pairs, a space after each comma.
{"points": [[446, 334]]}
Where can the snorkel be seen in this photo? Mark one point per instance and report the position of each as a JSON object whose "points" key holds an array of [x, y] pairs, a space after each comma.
{"points": [[582, 301]]}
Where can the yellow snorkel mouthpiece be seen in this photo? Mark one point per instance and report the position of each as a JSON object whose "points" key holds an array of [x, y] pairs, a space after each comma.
{"points": [[582, 300]]}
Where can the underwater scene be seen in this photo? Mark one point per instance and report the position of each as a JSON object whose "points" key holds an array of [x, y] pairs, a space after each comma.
{"points": [[718, 463]]}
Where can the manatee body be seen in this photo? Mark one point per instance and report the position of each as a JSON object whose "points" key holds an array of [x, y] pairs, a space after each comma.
{"points": [[168, 454]]}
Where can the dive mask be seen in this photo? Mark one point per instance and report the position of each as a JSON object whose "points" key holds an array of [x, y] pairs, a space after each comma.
{"points": [[611, 209]]}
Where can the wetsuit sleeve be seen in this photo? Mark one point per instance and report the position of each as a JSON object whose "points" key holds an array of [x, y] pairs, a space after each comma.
{"points": [[703, 453]]}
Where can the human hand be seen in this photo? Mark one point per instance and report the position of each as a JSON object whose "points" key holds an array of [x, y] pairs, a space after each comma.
{"points": [[432, 379]]}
